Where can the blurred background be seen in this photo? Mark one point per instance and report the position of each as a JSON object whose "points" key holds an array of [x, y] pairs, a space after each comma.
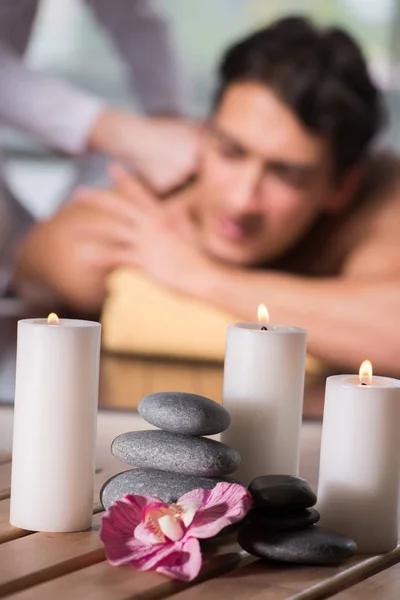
{"points": [[68, 41]]}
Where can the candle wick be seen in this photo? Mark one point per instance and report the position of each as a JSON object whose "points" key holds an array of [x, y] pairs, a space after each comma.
{"points": [[263, 328], [363, 383]]}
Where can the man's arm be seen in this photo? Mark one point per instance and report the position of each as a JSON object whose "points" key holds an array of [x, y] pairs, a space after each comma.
{"points": [[66, 259], [348, 318]]}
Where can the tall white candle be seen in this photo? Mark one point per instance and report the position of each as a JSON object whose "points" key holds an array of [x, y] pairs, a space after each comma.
{"points": [[359, 477], [263, 392], [55, 416]]}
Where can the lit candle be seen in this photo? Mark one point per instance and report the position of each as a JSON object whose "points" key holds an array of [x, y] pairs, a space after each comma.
{"points": [[358, 492], [263, 392], [55, 416]]}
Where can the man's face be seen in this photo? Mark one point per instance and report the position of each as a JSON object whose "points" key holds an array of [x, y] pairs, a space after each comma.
{"points": [[263, 180]]}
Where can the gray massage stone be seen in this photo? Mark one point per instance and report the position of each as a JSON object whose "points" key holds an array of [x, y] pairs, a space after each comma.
{"points": [[166, 486], [313, 546], [175, 452], [179, 412], [282, 491], [283, 520]]}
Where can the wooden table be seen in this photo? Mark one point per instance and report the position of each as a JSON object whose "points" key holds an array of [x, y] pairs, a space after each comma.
{"points": [[58, 566], [124, 381]]}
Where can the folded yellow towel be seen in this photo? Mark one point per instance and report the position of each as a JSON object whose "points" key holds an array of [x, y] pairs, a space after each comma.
{"points": [[144, 318]]}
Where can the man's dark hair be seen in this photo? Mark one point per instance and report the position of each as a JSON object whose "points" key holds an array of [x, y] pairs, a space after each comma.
{"points": [[321, 75]]}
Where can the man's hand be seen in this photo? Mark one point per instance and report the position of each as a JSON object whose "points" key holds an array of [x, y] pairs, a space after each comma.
{"points": [[160, 242], [163, 150], [68, 257]]}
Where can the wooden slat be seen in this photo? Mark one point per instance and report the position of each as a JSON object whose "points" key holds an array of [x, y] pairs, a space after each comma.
{"points": [[211, 377], [123, 382], [262, 580], [4, 457], [8, 532], [385, 585], [5, 479], [42, 556], [126, 379], [309, 452], [104, 582], [172, 376], [357, 572], [314, 398], [255, 581]]}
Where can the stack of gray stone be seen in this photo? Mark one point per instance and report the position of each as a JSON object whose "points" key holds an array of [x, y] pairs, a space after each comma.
{"points": [[281, 526], [176, 458]]}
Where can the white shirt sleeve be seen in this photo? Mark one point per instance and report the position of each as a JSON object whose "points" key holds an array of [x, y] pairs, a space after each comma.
{"points": [[52, 110]]}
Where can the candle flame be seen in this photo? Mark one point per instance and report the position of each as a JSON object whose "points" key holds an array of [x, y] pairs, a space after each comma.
{"points": [[365, 373], [262, 313], [53, 319]]}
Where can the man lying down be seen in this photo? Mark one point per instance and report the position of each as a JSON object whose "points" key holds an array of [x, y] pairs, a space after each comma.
{"points": [[290, 203]]}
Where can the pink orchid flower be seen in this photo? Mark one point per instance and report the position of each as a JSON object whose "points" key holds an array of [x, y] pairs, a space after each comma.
{"points": [[149, 534]]}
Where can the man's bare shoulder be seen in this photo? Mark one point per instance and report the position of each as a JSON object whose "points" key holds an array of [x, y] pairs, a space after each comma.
{"points": [[181, 201], [378, 198], [374, 225], [382, 175], [338, 242]]}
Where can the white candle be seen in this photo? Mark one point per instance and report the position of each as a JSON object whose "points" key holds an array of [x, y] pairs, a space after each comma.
{"points": [[55, 416], [263, 392], [358, 491]]}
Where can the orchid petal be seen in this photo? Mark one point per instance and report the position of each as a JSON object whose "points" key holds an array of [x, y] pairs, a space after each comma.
{"points": [[119, 523], [184, 562], [189, 509], [225, 504], [149, 531], [147, 536], [146, 533], [145, 557], [171, 527]]}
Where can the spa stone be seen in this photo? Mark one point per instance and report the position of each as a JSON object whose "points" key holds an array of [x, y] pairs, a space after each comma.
{"points": [[282, 491], [312, 546], [188, 414], [175, 452], [283, 520], [166, 486]]}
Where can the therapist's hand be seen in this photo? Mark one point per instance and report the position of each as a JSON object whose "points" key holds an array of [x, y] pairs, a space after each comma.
{"points": [[163, 150]]}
